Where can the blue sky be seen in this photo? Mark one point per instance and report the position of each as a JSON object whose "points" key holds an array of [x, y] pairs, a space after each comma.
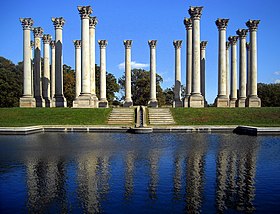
{"points": [[146, 20]]}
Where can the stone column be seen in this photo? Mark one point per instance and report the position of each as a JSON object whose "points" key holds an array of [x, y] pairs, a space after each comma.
{"points": [[77, 44], [92, 24], [177, 86], [38, 33], [233, 77], [103, 103], [59, 99], [242, 67], [31, 60], [202, 68], [253, 100], [46, 74], [222, 99], [196, 100], [128, 101], [227, 69], [188, 25], [248, 68], [27, 99], [153, 84], [52, 44]]}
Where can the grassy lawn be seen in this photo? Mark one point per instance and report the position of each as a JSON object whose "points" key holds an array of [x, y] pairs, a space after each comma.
{"points": [[12, 117], [227, 116]]}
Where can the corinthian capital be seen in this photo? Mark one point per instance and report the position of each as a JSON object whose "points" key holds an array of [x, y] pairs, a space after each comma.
{"points": [[248, 45], [152, 43], [77, 43], [26, 23], [102, 43], [203, 45], [222, 23], [32, 44], [188, 23], [38, 32], [84, 11], [127, 43], [227, 45], [52, 44], [93, 22], [252, 24], [233, 40], [195, 12], [47, 38], [177, 44], [58, 22], [242, 33]]}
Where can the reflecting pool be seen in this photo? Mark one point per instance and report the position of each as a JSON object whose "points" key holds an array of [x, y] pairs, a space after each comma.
{"points": [[126, 173]]}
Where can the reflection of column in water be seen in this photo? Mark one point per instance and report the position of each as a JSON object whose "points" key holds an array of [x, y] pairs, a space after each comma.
{"points": [[104, 176], [87, 183], [153, 183], [129, 174], [231, 175], [177, 178]]}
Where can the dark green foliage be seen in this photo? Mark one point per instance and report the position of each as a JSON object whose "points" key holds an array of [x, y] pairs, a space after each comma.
{"points": [[269, 94], [169, 96], [69, 84]]}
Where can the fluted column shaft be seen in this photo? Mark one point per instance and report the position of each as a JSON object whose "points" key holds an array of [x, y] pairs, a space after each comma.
{"points": [[188, 25], [227, 70], [52, 44], [92, 24], [248, 68], [153, 95], [233, 79], [128, 100], [177, 86], [103, 44], [77, 44], [202, 66], [46, 74], [31, 63]]}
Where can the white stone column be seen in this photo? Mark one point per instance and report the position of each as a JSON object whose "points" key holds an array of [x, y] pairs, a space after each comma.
{"points": [[222, 99], [248, 69], [253, 100], [27, 99], [103, 103], [38, 33], [52, 44], [227, 69], [31, 61], [242, 33], [196, 100], [77, 44], [128, 100], [177, 86], [46, 74], [153, 82], [92, 24], [59, 99], [233, 77], [188, 25], [202, 68]]}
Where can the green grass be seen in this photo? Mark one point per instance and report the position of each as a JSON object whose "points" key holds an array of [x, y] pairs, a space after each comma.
{"points": [[14, 117], [227, 116]]}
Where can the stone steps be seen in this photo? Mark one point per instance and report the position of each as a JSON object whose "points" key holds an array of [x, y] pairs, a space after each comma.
{"points": [[121, 116], [160, 116]]}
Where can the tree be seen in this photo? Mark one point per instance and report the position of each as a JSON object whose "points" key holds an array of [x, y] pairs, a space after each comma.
{"points": [[269, 94], [169, 96], [140, 87], [69, 84]]}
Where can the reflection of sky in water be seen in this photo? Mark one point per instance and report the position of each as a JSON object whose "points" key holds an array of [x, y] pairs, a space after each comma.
{"points": [[118, 173]]}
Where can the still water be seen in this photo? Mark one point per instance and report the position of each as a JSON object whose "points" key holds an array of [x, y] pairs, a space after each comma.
{"points": [[126, 173]]}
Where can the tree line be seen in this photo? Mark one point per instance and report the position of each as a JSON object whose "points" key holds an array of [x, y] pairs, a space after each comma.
{"points": [[11, 87]]}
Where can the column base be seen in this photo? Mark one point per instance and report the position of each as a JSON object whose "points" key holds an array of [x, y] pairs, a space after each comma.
{"points": [[222, 101], [94, 100], [153, 103], [127, 104], [48, 102], [59, 101], [232, 103], [186, 101], [27, 102], [241, 102], [40, 102], [196, 101], [103, 104], [253, 102], [177, 103], [85, 101]]}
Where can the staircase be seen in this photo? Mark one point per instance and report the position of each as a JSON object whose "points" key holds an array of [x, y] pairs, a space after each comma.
{"points": [[160, 116], [121, 116]]}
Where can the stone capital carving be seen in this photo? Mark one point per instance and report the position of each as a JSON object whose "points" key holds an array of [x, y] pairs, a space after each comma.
{"points": [[233, 40], [47, 38], [222, 23], [93, 22], [26, 23], [102, 43], [188, 23], [177, 44], [152, 43], [242, 33], [84, 11], [127, 43], [227, 45], [58, 22], [252, 24], [38, 32], [203, 45], [32, 44], [248, 45], [77, 43], [195, 12], [52, 44]]}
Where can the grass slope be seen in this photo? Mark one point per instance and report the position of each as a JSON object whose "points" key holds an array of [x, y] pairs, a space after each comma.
{"points": [[227, 116], [11, 117]]}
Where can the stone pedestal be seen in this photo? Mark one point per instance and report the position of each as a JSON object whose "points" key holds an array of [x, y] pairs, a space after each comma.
{"points": [[59, 99], [153, 97], [52, 44], [188, 25], [128, 100], [103, 103], [233, 76], [177, 86], [27, 100], [196, 100], [203, 69]]}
